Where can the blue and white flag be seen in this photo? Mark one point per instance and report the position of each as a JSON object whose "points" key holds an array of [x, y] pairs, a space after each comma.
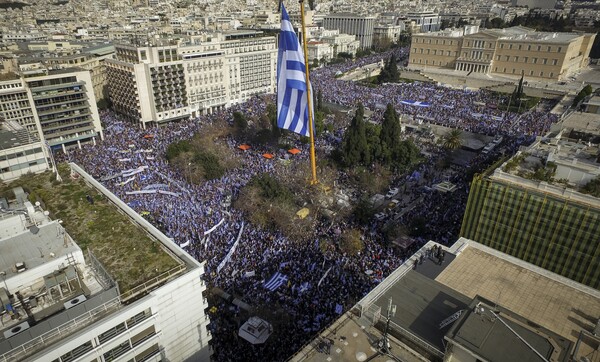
{"points": [[292, 100], [415, 103], [276, 281], [339, 309]]}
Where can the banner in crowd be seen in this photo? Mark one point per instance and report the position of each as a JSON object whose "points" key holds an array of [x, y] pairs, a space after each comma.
{"points": [[135, 171], [155, 186], [323, 278], [140, 192], [231, 251], [415, 103], [214, 227]]}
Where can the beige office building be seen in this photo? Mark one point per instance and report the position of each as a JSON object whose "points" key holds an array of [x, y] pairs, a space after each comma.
{"points": [[512, 51]]}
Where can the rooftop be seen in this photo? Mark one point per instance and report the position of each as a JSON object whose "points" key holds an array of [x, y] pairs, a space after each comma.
{"points": [[13, 135], [127, 252], [495, 333], [547, 299]]}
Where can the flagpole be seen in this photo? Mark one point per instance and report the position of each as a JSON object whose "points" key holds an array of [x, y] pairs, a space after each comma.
{"points": [[313, 161]]}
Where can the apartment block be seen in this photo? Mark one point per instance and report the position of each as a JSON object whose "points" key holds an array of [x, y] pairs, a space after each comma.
{"points": [[353, 24], [158, 84], [56, 107], [65, 107], [513, 51]]}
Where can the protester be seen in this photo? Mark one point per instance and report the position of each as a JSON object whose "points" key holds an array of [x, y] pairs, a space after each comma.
{"points": [[319, 284]]}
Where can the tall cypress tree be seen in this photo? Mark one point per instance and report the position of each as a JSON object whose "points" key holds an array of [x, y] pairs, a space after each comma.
{"points": [[390, 133], [356, 148]]}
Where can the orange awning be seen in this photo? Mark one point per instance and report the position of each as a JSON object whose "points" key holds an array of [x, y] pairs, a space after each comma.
{"points": [[294, 151], [149, 136], [268, 155], [244, 147]]}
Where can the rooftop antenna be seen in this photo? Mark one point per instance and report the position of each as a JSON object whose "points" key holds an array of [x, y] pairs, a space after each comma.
{"points": [[383, 344]]}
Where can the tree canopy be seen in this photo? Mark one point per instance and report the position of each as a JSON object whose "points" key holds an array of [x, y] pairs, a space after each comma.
{"points": [[389, 73]]}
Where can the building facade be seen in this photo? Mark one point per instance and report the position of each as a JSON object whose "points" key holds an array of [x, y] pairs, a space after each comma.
{"points": [[427, 21], [514, 51], [65, 107], [56, 107], [20, 153], [81, 315], [353, 24], [159, 84]]}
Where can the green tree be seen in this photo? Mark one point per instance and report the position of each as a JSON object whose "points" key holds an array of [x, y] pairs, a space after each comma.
{"points": [[239, 122], [319, 100], [583, 93], [355, 146], [592, 187], [389, 135], [451, 140], [496, 23], [390, 72], [272, 114]]}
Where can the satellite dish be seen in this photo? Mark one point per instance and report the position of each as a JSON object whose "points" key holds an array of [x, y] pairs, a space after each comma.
{"points": [[37, 203], [46, 212]]}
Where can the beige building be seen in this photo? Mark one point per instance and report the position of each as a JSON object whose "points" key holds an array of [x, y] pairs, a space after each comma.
{"points": [[513, 51]]}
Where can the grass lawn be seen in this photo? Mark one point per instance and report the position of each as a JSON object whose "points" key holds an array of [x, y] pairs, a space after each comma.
{"points": [[125, 250]]}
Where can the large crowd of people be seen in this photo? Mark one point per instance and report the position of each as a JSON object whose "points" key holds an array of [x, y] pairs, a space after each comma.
{"points": [[318, 283]]}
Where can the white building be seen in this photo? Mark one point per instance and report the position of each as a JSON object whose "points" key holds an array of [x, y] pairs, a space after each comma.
{"points": [[63, 307], [57, 107], [20, 153], [348, 23], [158, 84], [426, 20]]}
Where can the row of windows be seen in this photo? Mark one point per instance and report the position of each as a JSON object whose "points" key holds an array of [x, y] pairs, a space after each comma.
{"points": [[11, 156], [437, 41], [517, 59], [21, 166], [531, 72], [530, 47], [10, 86], [13, 97]]}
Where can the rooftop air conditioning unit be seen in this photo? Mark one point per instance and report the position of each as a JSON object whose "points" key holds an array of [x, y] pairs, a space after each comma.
{"points": [[16, 329], [75, 301]]}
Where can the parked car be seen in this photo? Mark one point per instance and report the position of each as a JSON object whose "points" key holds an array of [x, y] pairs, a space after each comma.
{"points": [[380, 216], [392, 193]]}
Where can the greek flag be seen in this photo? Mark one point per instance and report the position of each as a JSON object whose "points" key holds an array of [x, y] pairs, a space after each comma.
{"points": [[276, 281], [292, 101]]}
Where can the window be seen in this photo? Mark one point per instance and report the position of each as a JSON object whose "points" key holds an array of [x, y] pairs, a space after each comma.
{"points": [[545, 61], [534, 60], [531, 72], [541, 74], [559, 49], [554, 61], [519, 46], [529, 47], [539, 48], [525, 59], [510, 46]]}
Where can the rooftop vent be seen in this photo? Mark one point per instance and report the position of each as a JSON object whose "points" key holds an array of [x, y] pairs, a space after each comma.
{"points": [[75, 301], [20, 267], [16, 329]]}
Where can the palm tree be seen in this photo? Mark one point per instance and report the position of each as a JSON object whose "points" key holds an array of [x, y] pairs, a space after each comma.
{"points": [[452, 139]]}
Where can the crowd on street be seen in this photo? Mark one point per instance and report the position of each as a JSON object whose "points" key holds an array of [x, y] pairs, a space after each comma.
{"points": [[318, 282]]}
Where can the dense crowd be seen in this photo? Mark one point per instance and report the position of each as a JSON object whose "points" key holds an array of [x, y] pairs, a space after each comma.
{"points": [[319, 283]]}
